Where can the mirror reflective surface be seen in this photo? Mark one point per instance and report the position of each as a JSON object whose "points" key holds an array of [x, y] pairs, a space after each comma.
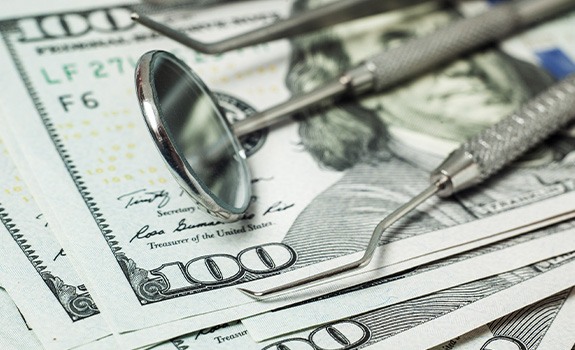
{"points": [[193, 135]]}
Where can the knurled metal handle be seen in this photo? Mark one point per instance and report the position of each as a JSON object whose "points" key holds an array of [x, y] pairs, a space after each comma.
{"points": [[543, 115], [494, 147], [420, 55]]}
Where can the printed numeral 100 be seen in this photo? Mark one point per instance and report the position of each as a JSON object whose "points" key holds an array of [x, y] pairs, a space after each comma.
{"points": [[341, 335], [221, 269]]}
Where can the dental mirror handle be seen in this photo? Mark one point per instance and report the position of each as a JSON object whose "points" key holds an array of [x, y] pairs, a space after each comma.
{"points": [[416, 56], [474, 161]]}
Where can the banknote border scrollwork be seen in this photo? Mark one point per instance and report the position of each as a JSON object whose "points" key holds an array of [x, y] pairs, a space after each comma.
{"points": [[134, 275], [77, 306]]}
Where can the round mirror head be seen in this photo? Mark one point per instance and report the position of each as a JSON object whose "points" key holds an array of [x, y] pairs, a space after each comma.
{"points": [[193, 136]]}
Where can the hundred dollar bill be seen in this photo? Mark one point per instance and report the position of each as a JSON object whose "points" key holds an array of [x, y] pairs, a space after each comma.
{"points": [[548, 45], [439, 324], [547, 324], [144, 247], [14, 333], [428, 321], [415, 324], [447, 273], [36, 272], [561, 333], [34, 7]]}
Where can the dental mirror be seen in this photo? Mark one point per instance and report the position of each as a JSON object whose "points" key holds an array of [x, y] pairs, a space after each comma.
{"points": [[193, 136]]}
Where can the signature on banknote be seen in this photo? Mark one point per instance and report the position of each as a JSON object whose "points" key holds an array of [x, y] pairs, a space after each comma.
{"points": [[159, 197]]}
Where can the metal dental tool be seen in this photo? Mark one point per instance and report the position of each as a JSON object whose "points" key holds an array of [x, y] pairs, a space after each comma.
{"points": [[396, 65], [391, 67], [193, 136], [321, 17], [202, 149], [474, 161]]}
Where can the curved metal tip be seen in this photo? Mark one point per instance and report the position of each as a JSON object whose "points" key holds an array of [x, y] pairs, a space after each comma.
{"points": [[251, 293], [134, 16], [364, 260]]}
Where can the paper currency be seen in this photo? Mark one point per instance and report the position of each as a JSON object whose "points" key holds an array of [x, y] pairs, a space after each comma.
{"points": [[469, 317], [14, 334], [408, 127], [417, 323], [464, 268], [35, 270], [426, 321], [561, 333], [143, 245], [33, 7], [547, 324]]}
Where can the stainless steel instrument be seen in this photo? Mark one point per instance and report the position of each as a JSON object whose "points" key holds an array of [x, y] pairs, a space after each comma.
{"points": [[388, 68], [473, 162], [314, 19], [202, 149]]}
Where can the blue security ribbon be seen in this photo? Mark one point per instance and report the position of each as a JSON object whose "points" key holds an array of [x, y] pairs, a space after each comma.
{"points": [[556, 62]]}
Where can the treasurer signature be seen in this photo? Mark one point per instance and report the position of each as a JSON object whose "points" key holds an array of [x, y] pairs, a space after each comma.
{"points": [[143, 196], [145, 232]]}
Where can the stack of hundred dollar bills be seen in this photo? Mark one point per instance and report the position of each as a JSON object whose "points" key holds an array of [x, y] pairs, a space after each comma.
{"points": [[101, 249]]}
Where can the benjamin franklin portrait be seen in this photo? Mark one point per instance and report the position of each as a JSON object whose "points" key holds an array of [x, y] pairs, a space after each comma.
{"points": [[387, 142]]}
